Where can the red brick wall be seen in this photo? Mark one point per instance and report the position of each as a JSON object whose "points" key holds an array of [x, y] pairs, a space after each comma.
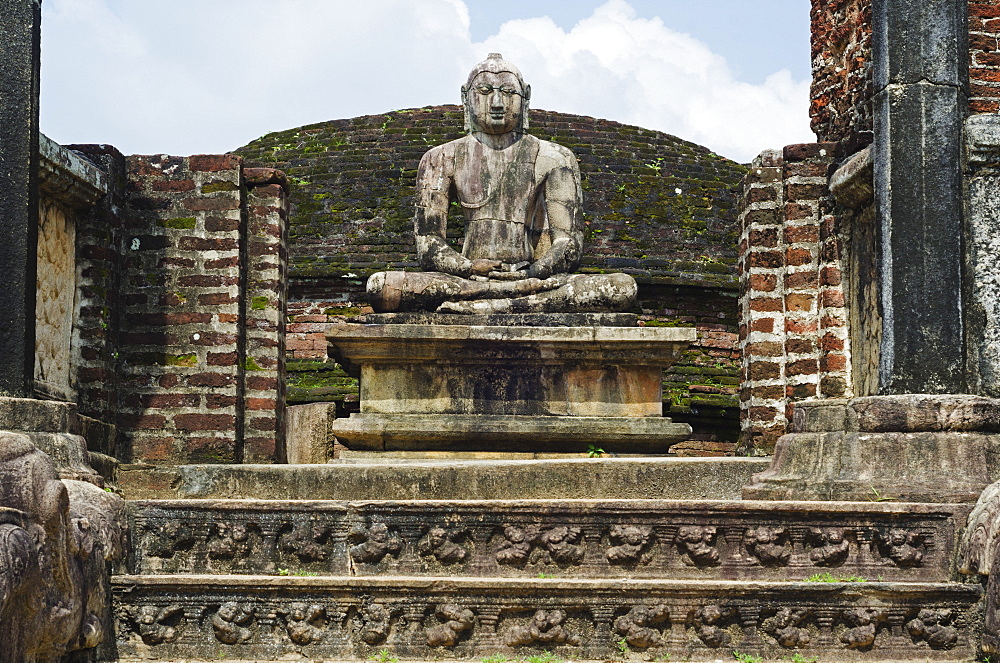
{"points": [[841, 93], [201, 312], [793, 316], [265, 307], [984, 56]]}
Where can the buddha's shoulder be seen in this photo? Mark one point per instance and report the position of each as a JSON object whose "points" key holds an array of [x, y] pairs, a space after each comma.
{"points": [[553, 154], [448, 149]]}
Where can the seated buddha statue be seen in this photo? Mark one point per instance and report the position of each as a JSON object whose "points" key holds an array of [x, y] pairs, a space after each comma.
{"points": [[522, 204]]}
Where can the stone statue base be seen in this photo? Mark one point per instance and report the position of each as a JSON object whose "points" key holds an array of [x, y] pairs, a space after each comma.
{"points": [[509, 387], [910, 448]]}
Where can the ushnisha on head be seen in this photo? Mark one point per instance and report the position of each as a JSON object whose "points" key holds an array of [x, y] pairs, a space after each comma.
{"points": [[495, 98]]}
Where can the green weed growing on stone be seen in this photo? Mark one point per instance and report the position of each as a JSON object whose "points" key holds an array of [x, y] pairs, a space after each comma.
{"points": [[826, 576], [594, 451], [544, 657], [545, 575], [799, 658], [384, 656], [878, 497], [623, 648], [746, 658], [495, 658]]}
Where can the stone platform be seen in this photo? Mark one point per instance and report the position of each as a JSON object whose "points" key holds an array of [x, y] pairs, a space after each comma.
{"points": [[913, 447], [552, 385]]}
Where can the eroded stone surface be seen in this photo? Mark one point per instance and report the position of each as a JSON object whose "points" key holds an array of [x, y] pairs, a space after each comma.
{"points": [[575, 538], [269, 618], [56, 539]]}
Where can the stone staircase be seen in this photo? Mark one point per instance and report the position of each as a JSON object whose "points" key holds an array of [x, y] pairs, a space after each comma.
{"points": [[523, 566]]}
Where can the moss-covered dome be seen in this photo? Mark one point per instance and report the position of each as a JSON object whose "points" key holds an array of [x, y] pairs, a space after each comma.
{"points": [[656, 206]]}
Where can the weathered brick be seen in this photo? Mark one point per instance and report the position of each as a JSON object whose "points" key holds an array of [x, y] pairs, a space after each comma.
{"points": [[198, 422], [214, 162]]}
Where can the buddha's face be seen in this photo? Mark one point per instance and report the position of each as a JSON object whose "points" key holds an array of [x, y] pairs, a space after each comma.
{"points": [[496, 102]]}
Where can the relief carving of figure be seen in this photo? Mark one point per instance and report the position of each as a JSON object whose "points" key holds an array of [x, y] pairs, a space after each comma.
{"points": [[699, 544], [168, 538], [631, 545], [443, 544], [306, 540], [56, 540], [863, 623], [515, 549], [305, 623], [830, 548], [455, 620], [158, 625], [769, 545], [373, 543], [904, 547], [934, 628], [643, 624], [522, 204], [375, 622], [545, 627], [232, 540], [231, 623], [786, 627], [561, 542], [708, 627]]}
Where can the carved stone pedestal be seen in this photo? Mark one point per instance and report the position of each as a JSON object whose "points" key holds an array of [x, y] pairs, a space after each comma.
{"points": [[534, 386], [910, 447]]}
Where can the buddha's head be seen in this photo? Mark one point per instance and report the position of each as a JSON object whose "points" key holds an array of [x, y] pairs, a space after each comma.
{"points": [[495, 97]]}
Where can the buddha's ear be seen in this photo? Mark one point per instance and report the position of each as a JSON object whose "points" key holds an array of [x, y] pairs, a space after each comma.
{"points": [[524, 106], [465, 110]]}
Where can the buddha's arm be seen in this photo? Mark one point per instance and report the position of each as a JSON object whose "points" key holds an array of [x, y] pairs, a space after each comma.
{"points": [[563, 202], [431, 221]]}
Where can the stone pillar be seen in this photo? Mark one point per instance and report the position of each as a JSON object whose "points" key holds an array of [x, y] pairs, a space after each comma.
{"points": [[982, 241], [20, 30], [920, 51]]}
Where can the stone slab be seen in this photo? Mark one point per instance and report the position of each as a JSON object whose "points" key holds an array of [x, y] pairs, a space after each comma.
{"points": [[503, 319], [508, 433], [307, 432], [922, 467], [564, 538], [272, 618], [594, 478], [904, 413]]}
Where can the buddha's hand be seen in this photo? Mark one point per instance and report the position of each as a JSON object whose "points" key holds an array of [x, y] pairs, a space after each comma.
{"points": [[485, 267], [531, 286], [509, 276]]}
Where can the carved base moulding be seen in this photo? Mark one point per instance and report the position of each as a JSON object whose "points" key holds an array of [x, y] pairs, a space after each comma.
{"points": [[266, 618], [565, 538], [508, 387]]}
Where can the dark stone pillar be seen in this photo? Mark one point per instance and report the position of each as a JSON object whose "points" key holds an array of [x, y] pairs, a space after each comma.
{"points": [[920, 51], [20, 39]]}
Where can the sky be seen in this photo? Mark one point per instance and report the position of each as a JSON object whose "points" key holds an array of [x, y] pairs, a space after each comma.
{"points": [[207, 76]]}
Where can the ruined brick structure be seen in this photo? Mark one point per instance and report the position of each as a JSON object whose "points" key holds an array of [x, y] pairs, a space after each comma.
{"points": [[811, 327], [656, 207], [176, 344]]}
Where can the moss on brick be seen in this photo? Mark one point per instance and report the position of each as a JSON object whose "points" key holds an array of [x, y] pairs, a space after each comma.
{"points": [[179, 223], [213, 187]]}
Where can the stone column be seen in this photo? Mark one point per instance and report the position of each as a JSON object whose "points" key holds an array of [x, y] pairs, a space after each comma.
{"points": [[920, 54], [982, 241], [20, 30]]}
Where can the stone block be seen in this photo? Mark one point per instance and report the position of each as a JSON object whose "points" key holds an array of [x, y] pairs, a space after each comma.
{"points": [[308, 438], [578, 478]]}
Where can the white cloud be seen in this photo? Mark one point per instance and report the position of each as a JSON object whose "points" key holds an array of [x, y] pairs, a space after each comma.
{"points": [[192, 76]]}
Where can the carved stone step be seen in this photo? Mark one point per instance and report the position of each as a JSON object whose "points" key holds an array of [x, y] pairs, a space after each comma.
{"points": [[565, 538], [268, 618], [584, 478]]}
